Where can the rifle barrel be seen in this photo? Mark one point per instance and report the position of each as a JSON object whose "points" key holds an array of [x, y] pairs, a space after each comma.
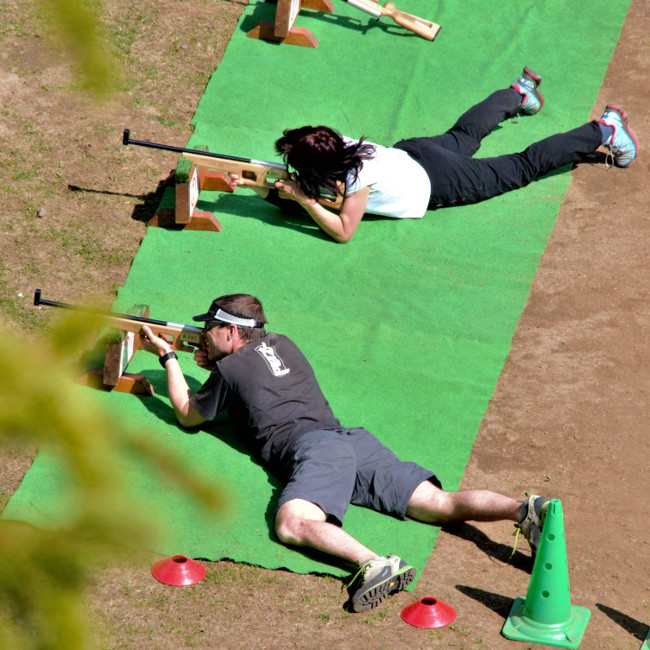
{"points": [[126, 139], [140, 319]]}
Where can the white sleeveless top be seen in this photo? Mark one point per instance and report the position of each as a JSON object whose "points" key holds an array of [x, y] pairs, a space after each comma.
{"points": [[399, 186]]}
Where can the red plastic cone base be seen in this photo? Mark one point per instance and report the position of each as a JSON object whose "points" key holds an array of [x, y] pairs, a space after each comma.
{"points": [[178, 571], [429, 613]]}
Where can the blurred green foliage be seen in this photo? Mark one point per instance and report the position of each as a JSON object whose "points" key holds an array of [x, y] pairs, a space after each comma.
{"points": [[44, 572], [80, 32]]}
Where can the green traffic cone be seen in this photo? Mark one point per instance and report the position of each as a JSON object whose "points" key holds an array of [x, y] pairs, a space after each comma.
{"points": [[546, 614]]}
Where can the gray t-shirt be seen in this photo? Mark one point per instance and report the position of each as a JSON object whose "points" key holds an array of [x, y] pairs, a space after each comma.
{"points": [[271, 394]]}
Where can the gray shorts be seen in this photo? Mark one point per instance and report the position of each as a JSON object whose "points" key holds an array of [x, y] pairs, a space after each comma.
{"points": [[333, 468]]}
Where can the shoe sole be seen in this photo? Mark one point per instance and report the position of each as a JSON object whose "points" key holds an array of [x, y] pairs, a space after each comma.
{"points": [[378, 594], [533, 75], [621, 111]]}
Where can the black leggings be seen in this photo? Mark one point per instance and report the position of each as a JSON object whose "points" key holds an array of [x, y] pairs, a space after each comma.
{"points": [[457, 178]]}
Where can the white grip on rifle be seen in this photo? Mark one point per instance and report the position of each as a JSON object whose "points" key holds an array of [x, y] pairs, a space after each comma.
{"points": [[365, 6]]}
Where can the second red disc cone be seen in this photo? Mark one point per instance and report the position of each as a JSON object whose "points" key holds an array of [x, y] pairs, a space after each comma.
{"points": [[429, 613]]}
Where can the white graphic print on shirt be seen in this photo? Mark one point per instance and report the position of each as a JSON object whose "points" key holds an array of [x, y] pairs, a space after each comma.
{"points": [[274, 362]]}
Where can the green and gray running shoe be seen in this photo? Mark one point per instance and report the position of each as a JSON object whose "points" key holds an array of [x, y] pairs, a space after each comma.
{"points": [[533, 523], [376, 580]]}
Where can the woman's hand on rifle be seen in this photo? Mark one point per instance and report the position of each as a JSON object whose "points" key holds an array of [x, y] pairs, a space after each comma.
{"points": [[260, 191], [293, 191], [340, 226]]}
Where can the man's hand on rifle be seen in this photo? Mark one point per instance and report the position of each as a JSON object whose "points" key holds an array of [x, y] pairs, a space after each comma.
{"points": [[201, 359], [179, 391], [152, 343]]}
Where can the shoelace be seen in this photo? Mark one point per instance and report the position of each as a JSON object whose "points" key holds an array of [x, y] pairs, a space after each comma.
{"points": [[361, 570], [514, 546], [542, 517]]}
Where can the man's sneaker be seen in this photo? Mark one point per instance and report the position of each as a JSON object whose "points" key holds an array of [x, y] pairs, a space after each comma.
{"points": [[376, 580], [528, 86], [533, 523], [623, 143]]}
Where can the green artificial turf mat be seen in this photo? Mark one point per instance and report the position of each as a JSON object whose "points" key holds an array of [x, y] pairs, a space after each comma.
{"points": [[408, 325]]}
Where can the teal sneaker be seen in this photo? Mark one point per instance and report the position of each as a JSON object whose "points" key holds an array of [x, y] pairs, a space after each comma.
{"points": [[528, 87], [533, 523], [623, 144], [376, 580]]}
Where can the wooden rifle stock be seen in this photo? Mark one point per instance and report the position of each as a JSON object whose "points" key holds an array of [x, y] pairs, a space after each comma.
{"points": [[420, 26], [253, 173], [182, 338]]}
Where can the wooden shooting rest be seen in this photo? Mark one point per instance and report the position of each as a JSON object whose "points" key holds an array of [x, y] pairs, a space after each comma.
{"points": [[283, 30], [189, 180], [118, 354]]}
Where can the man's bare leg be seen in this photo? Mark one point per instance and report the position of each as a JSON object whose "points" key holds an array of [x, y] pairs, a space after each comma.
{"points": [[435, 506], [302, 523], [432, 505]]}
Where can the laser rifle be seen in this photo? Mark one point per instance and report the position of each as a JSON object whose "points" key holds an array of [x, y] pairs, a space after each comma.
{"points": [[182, 338], [253, 173], [420, 26]]}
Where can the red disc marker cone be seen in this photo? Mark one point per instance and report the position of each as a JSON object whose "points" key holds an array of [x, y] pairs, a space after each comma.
{"points": [[429, 613], [178, 571]]}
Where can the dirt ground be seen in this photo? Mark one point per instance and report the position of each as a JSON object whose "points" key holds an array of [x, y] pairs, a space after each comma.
{"points": [[568, 418]]}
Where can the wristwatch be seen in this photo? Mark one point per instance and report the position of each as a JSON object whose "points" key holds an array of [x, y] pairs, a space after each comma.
{"points": [[166, 357]]}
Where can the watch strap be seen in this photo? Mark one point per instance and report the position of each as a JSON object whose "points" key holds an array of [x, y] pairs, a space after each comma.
{"points": [[166, 357]]}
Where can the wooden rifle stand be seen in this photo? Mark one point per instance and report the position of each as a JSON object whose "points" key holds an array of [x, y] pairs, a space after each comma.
{"points": [[118, 354], [283, 31], [189, 180]]}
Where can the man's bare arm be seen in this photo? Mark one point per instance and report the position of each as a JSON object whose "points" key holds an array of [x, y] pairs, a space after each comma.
{"points": [[179, 391]]}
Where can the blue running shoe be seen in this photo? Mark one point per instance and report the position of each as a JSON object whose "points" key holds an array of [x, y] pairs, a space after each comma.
{"points": [[623, 144], [528, 87]]}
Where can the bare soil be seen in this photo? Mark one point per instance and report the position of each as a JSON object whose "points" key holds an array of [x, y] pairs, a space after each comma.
{"points": [[568, 418]]}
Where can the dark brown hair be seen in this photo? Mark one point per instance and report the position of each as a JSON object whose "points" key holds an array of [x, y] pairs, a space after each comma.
{"points": [[321, 158], [245, 306]]}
